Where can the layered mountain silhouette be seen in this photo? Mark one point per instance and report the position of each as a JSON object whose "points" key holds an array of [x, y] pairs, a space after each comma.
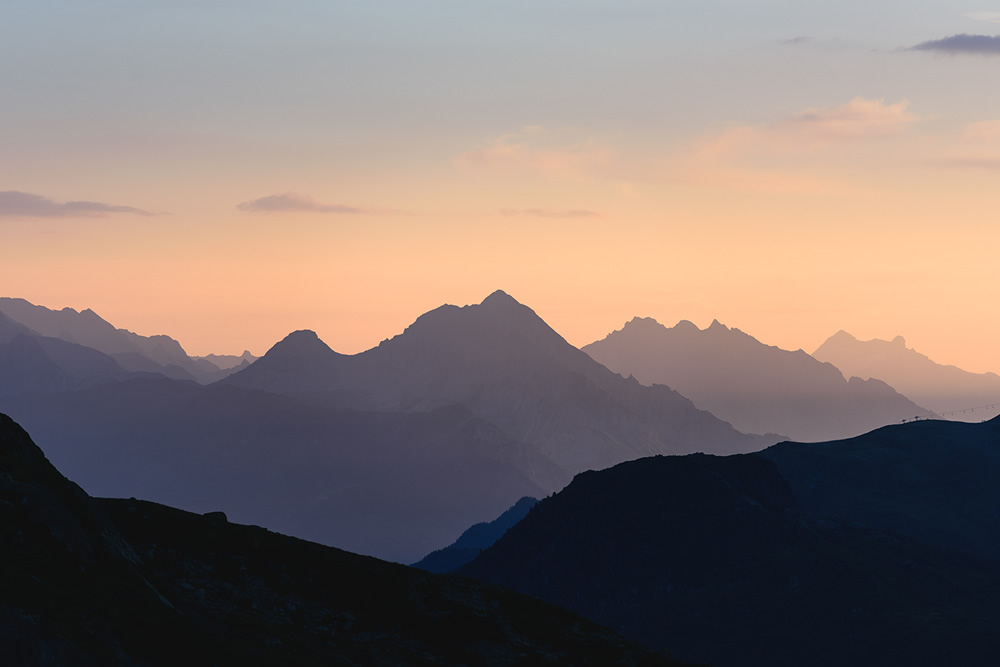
{"points": [[30, 362], [475, 539], [152, 354], [391, 484], [505, 364], [770, 559], [947, 390], [227, 362], [757, 388], [88, 581]]}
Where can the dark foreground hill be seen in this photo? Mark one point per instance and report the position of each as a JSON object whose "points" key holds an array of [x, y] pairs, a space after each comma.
{"points": [[715, 558], [934, 481], [475, 539], [96, 582]]}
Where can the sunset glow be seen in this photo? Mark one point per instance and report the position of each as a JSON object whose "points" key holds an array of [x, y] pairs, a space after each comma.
{"points": [[226, 173]]}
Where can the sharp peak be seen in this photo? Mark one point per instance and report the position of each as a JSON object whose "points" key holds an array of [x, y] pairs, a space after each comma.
{"points": [[499, 297]]}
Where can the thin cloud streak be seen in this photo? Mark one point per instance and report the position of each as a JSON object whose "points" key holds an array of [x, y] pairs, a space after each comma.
{"points": [[986, 17], [984, 45], [15, 204], [536, 150], [292, 202], [547, 213]]}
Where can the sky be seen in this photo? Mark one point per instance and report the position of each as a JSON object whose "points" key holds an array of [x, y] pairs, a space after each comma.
{"points": [[228, 171]]}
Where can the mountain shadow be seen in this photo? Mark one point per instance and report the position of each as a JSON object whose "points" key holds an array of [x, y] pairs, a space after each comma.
{"points": [[475, 539], [94, 582], [757, 388], [947, 390], [505, 364], [716, 558]]}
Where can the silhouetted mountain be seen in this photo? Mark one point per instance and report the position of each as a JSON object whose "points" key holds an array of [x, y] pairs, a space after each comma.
{"points": [[33, 363], [150, 354], [501, 361], [757, 388], [716, 558], [947, 390], [95, 582], [395, 485], [475, 539], [228, 361], [932, 481]]}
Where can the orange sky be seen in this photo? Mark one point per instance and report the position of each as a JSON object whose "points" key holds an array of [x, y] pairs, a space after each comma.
{"points": [[784, 171]]}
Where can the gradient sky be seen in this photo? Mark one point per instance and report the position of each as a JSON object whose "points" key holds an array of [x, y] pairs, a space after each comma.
{"points": [[228, 171]]}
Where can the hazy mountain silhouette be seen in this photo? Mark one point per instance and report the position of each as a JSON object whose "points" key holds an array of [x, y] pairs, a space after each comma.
{"points": [[395, 485], [505, 364], [714, 555], [33, 363], [154, 354], [93, 582], [227, 362], [757, 388], [475, 539], [947, 390]]}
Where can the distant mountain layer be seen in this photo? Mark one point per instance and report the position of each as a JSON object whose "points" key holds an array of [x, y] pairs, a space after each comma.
{"points": [[757, 388], [395, 485], [506, 365], [228, 361], [474, 540], [30, 362], [789, 557], [947, 390], [94, 582], [154, 354]]}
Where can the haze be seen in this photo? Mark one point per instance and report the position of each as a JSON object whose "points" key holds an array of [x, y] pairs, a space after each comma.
{"points": [[229, 172]]}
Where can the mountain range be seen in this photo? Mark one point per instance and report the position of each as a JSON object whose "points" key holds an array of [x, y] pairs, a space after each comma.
{"points": [[757, 388], [872, 551], [505, 364], [947, 390], [94, 582], [152, 354]]}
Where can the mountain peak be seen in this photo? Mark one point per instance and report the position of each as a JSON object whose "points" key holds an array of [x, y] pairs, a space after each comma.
{"points": [[301, 343], [899, 341], [500, 298], [716, 325]]}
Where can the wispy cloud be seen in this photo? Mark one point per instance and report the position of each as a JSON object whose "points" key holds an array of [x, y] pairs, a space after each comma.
{"points": [[968, 163], [986, 130], [535, 149], [812, 129], [14, 204], [548, 213], [290, 202], [984, 45], [857, 119], [987, 17], [750, 157]]}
